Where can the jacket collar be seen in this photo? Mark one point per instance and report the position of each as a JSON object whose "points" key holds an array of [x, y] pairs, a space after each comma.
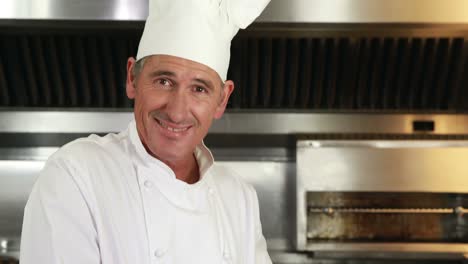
{"points": [[202, 154], [192, 197]]}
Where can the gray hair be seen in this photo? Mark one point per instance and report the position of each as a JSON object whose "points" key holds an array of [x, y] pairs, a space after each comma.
{"points": [[138, 67]]}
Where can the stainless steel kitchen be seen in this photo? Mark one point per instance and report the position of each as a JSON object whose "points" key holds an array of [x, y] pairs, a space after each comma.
{"points": [[348, 117]]}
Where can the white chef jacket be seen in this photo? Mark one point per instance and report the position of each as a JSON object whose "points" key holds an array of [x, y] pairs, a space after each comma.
{"points": [[106, 200]]}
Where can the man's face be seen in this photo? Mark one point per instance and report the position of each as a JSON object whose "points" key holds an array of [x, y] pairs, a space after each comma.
{"points": [[175, 102]]}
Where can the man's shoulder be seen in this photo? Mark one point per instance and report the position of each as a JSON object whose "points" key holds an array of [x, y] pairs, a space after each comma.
{"points": [[91, 147], [87, 160]]}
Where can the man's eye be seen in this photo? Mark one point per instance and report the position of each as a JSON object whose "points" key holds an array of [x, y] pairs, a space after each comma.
{"points": [[200, 89], [164, 82]]}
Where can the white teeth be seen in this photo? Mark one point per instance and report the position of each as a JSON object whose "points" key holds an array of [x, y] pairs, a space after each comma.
{"points": [[171, 128]]}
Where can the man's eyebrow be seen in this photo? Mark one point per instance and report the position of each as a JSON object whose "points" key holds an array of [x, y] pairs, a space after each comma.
{"points": [[162, 73]]}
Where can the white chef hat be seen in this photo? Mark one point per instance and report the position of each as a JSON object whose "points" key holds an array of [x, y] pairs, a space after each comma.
{"points": [[197, 30]]}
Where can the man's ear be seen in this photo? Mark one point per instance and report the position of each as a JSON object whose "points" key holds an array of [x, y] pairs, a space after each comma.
{"points": [[130, 84], [227, 91]]}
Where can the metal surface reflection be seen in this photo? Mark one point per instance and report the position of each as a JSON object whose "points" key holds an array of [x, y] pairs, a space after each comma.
{"points": [[75, 9], [16, 179], [238, 122], [297, 11]]}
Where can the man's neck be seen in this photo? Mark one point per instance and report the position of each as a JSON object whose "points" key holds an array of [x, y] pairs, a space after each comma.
{"points": [[186, 170]]}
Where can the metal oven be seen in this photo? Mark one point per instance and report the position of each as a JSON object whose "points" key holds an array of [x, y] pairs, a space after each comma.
{"points": [[383, 198]]}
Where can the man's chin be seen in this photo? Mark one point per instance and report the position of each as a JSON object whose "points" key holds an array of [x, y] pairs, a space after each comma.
{"points": [[171, 151]]}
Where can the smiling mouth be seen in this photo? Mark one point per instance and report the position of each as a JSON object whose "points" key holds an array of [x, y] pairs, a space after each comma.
{"points": [[171, 129]]}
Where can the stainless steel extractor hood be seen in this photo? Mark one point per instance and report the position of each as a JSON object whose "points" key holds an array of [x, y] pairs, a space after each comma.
{"points": [[297, 11], [340, 55]]}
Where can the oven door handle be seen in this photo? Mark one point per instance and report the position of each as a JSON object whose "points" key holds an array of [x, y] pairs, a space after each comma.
{"points": [[330, 210]]}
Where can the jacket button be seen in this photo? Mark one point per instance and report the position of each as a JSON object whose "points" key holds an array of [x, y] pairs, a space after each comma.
{"points": [[148, 184], [159, 253], [210, 191], [226, 255]]}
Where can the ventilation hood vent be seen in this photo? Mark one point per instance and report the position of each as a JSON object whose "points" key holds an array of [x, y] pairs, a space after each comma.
{"points": [[320, 55]]}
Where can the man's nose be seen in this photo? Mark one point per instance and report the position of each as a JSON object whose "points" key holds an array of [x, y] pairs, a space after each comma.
{"points": [[177, 106]]}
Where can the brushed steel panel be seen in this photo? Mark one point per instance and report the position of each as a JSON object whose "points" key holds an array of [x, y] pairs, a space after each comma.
{"points": [[275, 186], [298, 123], [27, 154], [301, 11], [63, 122], [366, 11], [16, 181], [236, 122], [454, 248], [75, 9], [392, 168]]}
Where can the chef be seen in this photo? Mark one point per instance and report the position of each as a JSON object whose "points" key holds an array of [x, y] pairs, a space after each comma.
{"points": [[153, 193]]}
